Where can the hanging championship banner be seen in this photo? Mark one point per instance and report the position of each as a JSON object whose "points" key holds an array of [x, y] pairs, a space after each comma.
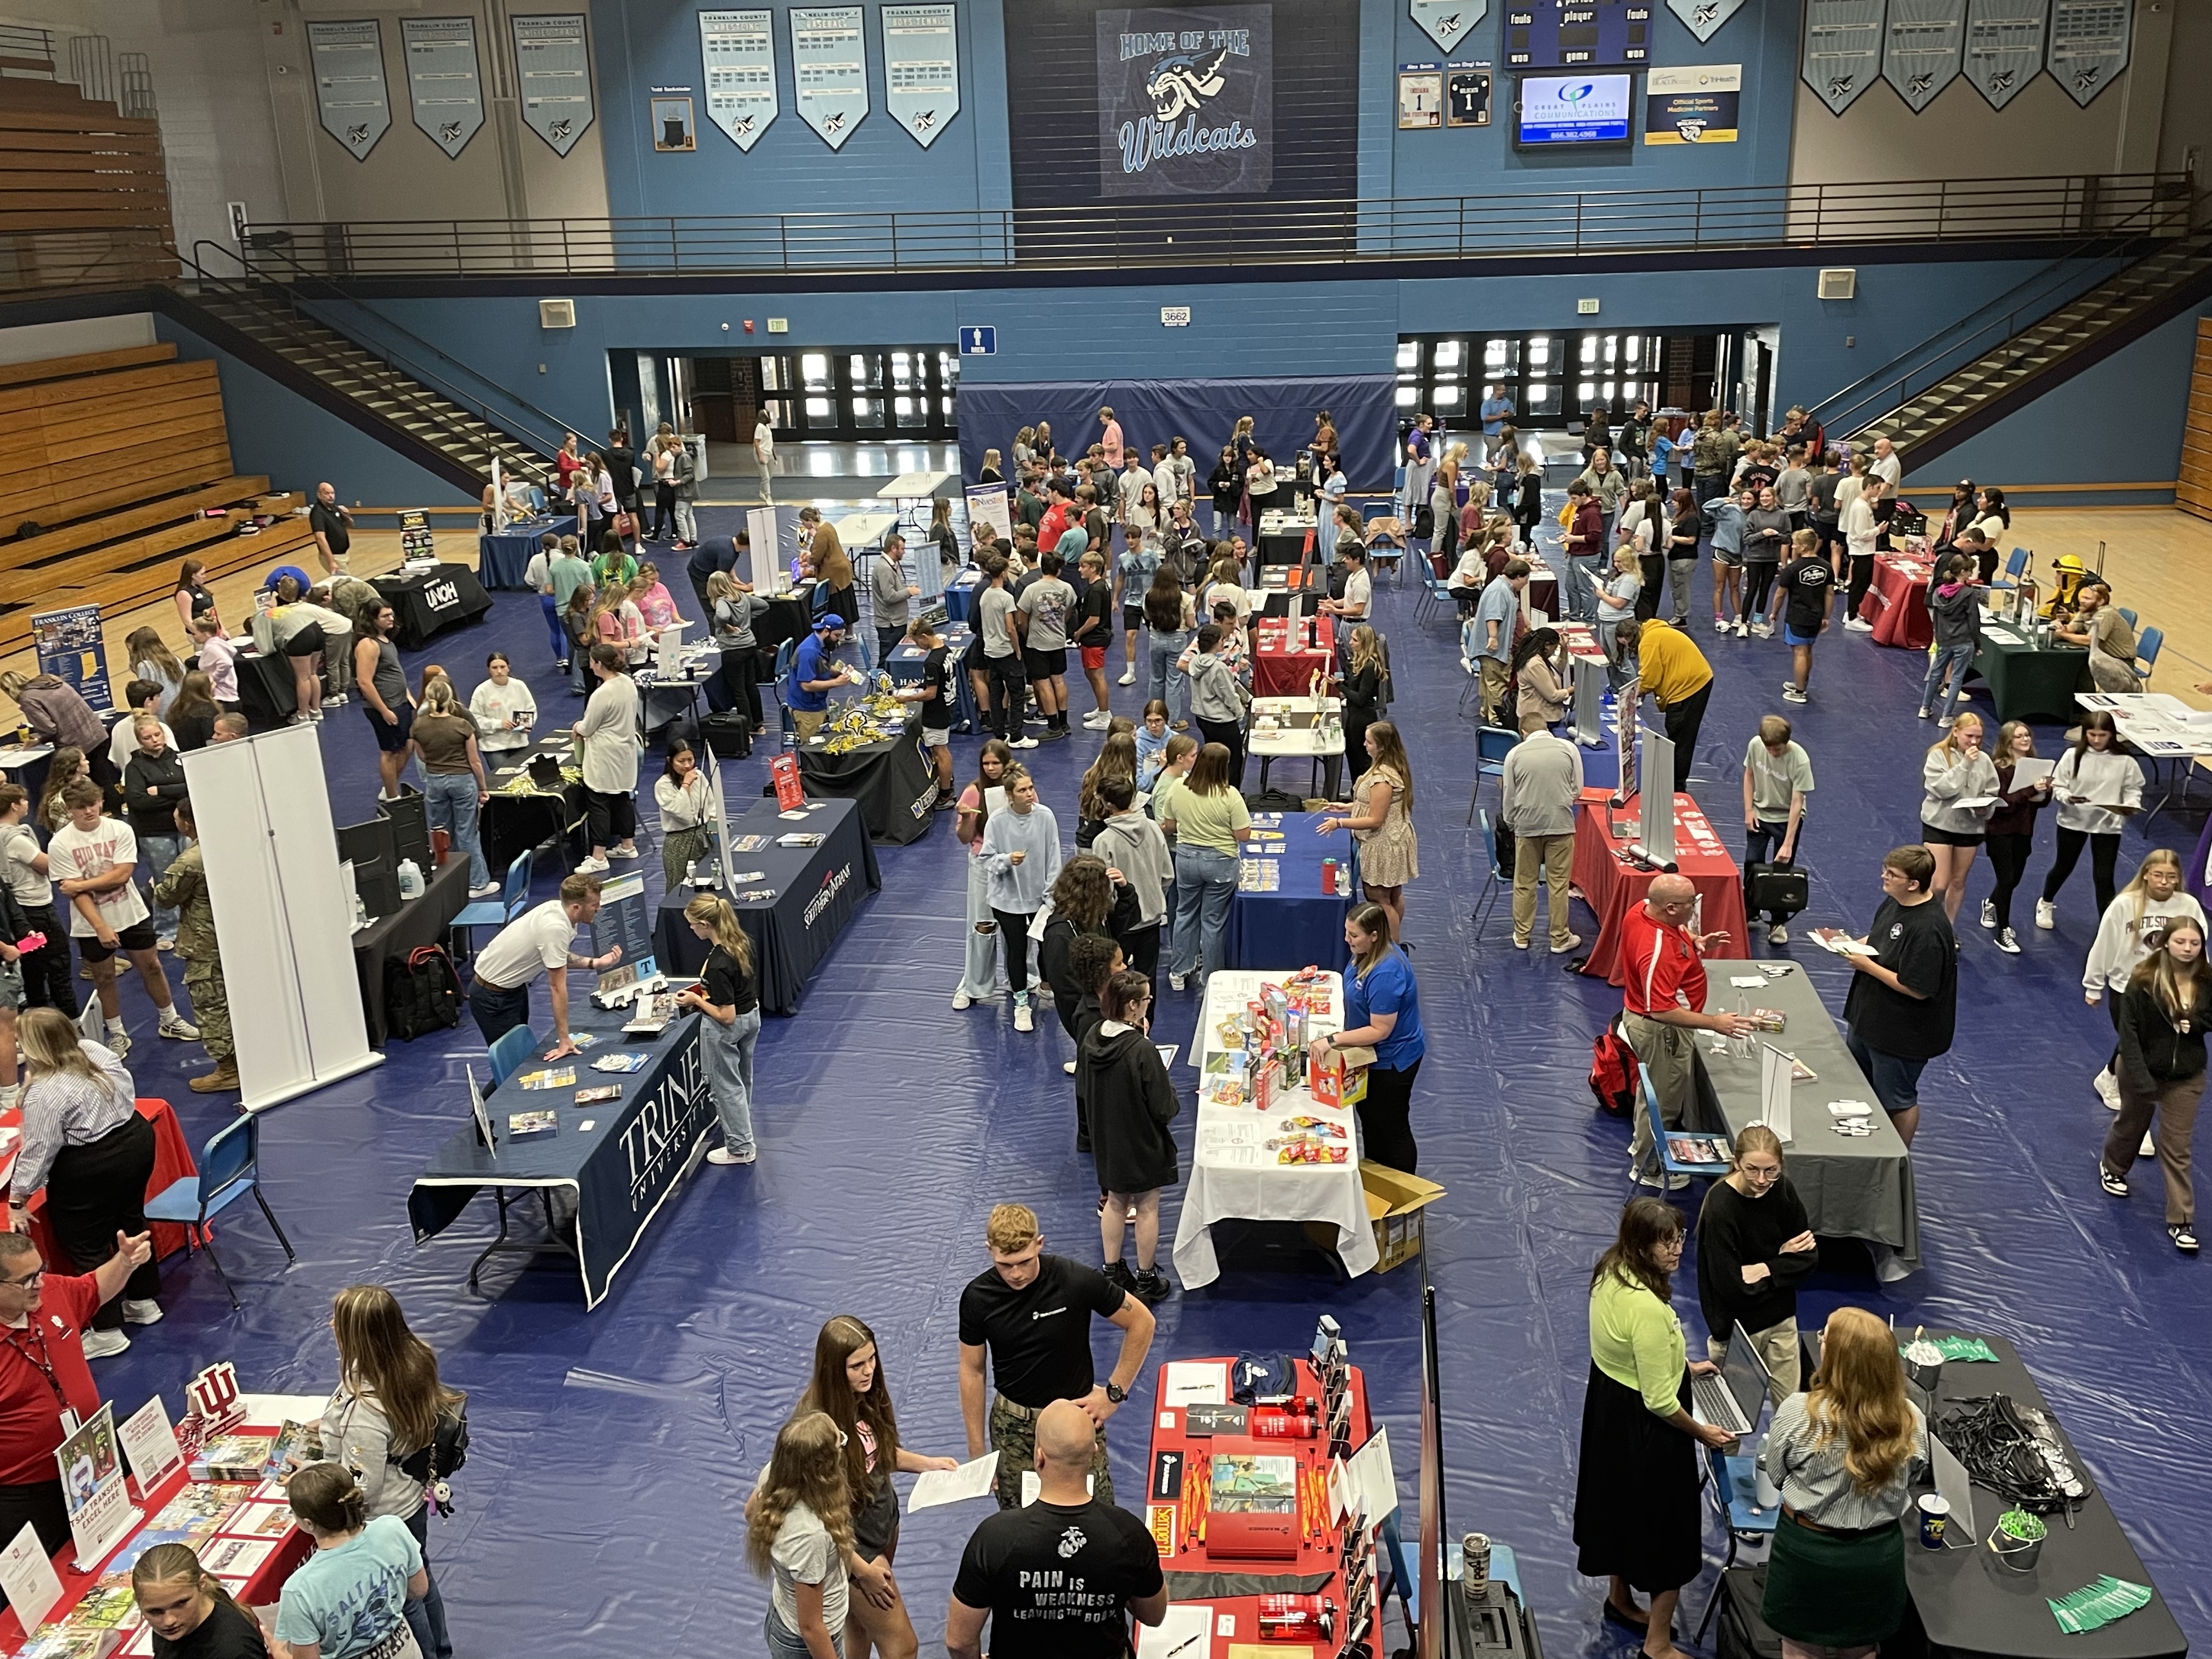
{"points": [[350, 100], [553, 73], [444, 87], [2088, 45], [2004, 45], [1704, 18], [1694, 105], [921, 70], [1843, 50], [1187, 100], [1448, 22], [829, 68], [1922, 47], [738, 49]]}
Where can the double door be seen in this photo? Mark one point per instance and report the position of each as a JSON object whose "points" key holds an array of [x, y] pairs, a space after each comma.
{"points": [[862, 394]]}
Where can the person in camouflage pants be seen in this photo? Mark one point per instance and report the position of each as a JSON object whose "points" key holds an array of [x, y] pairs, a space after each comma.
{"points": [[184, 888], [1013, 1434]]}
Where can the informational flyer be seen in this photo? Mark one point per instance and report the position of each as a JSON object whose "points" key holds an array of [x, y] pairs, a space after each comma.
{"points": [[69, 644]]}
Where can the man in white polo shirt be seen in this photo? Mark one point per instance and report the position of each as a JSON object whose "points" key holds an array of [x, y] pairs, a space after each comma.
{"points": [[536, 942]]}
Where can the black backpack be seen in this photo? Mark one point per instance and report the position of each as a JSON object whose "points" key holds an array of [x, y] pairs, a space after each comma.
{"points": [[447, 1453], [421, 994]]}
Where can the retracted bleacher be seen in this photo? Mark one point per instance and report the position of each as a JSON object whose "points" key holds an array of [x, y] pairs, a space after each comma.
{"points": [[122, 462]]}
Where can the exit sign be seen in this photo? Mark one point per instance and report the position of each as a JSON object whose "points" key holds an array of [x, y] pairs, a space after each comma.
{"points": [[1586, 307]]}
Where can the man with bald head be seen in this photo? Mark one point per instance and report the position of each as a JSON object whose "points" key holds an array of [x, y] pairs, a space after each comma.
{"points": [[333, 528], [1059, 1579], [1663, 1006]]}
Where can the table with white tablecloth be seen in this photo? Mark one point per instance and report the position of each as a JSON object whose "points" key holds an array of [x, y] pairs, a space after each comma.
{"points": [[1232, 1173]]}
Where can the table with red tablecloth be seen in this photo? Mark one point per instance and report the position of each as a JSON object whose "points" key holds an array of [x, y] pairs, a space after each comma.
{"points": [[1612, 886], [173, 1162], [1279, 671], [1896, 603], [1193, 1573]]}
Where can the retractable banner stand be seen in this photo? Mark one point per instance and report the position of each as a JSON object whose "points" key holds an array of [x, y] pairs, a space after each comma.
{"points": [[737, 53], [921, 70], [282, 915], [829, 68], [2088, 45], [1923, 48], [2004, 45], [351, 100], [1843, 49], [445, 83], [553, 73]]}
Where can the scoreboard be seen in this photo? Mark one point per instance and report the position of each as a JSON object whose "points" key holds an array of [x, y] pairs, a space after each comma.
{"points": [[1545, 35]]}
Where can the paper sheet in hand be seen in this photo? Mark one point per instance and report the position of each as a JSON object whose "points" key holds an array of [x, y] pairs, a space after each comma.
{"points": [[2027, 771], [1184, 1634], [1975, 803], [1195, 1382], [971, 1479], [1373, 1478]]}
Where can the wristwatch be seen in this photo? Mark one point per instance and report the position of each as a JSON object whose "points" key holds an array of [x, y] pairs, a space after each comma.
{"points": [[1115, 1392]]}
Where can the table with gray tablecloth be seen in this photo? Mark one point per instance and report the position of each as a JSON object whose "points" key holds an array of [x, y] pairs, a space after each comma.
{"points": [[1853, 1188]]}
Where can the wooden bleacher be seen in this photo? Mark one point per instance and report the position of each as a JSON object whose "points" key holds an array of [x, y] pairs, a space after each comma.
{"points": [[120, 459], [84, 196]]}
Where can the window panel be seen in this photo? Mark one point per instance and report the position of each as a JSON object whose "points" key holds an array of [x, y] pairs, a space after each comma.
{"points": [[815, 367], [1409, 353], [1543, 398], [1447, 397], [1448, 353], [818, 409], [1585, 392], [1408, 396]]}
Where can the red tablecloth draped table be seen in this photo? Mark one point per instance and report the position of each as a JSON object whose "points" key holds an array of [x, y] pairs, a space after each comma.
{"points": [[1279, 671], [1897, 602], [1612, 887], [173, 1162]]}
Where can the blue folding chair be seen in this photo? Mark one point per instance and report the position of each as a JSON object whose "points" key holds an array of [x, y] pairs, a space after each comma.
{"points": [[2015, 567], [2127, 616], [1492, 746], [230, 1168], [1494, 883], [784, 654], [513, 898], [1730, 1488], [511, 1053], [1672, 1165], [2148, 644]]}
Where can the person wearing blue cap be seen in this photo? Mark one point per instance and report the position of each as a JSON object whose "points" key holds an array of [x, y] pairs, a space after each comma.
{"points": [[813, 676]]}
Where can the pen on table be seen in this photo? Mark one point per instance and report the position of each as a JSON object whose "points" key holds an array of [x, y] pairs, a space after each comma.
{"points": [[1186, 1642]]}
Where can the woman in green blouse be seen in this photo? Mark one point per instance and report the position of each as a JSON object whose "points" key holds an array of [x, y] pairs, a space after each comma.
{"points": [[1636, 1496]]}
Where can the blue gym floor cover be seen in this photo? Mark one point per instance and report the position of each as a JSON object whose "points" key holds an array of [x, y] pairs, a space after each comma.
{"points": [[601, 1508]]}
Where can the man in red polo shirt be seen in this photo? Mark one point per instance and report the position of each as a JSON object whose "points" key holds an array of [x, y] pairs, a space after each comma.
{"points": [[1663, 1004], [43, 1319]]}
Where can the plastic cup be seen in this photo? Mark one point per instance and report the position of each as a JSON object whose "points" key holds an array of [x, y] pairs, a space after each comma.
{"points": [[1934, 1519]]}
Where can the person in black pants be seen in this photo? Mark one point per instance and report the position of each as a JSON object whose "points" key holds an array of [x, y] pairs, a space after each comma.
{"points": [[1381, 1011], [47, 981]]}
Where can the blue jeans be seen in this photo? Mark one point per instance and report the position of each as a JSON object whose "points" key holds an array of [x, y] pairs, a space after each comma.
{"points": [[1205, 885], [784, 1643], [160, 852], [729, 1076], [1941, 664], [559, 635], [579, 669], [451, 801], [427, 1618], [1896, 1081], [1166, 683]]}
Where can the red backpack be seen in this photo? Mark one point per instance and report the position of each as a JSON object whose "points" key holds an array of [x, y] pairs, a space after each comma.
{"points": [[1612, 1074]]}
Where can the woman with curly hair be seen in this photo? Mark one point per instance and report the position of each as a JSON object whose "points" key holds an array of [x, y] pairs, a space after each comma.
{"points": [[799, 1530]]}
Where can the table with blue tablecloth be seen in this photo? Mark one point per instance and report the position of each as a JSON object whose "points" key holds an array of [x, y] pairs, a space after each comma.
{"points": [[904, 666], [960, 595], [812, 893], [602, 1173], [1297, 923], [501, 559]]}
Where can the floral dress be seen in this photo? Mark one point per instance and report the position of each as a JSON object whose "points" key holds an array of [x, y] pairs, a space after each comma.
{"points": [[1388, 855]]}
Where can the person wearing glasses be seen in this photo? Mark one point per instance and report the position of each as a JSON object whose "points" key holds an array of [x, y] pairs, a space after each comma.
{"points": [[43, 1320], [1755, 1246]]}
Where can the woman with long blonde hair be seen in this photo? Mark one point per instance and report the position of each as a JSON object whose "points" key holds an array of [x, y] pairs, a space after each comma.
{"points": [[2162, 1018], [727, 995], [799, 1530], [1843, 1455], [2128, 931], [1956, 772], [1389, 855]]}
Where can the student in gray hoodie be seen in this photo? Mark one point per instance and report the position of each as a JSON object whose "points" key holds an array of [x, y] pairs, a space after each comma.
{"points": [[1021, 853], [1955, 605], [1218, 701], [1131, 843]]}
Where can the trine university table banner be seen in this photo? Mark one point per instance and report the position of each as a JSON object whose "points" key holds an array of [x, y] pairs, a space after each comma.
{"points": [[1186, 100], [737, 50], [829, 68], [445, 83], [553, 72], [922, 69], [350, 100]]}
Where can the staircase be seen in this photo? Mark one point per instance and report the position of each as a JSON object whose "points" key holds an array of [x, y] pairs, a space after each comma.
{"points": [[414, 410], [2029, 364]]}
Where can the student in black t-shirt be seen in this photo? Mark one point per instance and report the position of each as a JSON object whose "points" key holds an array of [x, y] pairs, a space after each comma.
{"points": [[1805, 582], [1058, 1579], [191, 1613], [1904, 999], [1092, 629], [1030, 1315], [930, 691]]}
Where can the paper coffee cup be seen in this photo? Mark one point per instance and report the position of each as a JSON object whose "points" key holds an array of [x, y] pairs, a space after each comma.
{"points": [[1934, 1519]]}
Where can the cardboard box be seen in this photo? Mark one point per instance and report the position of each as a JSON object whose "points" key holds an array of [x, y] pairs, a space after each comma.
{"points": [[1395, 1203]]}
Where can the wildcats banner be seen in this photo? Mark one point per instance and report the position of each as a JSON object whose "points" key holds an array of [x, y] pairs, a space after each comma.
{"points": [[1695, 105], [444, 85], [1843, 49], [2004, 45], [1922, 49], [737, 50], [1186, 100], [921, 71], [2088, 46], [350, 100], [1704, 18]]}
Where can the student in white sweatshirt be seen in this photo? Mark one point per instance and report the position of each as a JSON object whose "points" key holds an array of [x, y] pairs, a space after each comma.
{"points": [[1956, 771], [2098, 787], [1021, 852], [2134, 922]]}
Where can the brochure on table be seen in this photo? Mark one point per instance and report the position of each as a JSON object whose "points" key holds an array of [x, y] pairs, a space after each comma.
{"points": [[29, 1578], [99, 1508], [149, 1445]]}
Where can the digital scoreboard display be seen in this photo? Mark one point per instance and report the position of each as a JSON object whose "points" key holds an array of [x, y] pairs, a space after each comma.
{"points": [[1542, 34], [1554, 110]]}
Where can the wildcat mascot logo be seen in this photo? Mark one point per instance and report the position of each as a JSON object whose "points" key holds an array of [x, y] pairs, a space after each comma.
{"points": [[1188, 70]]}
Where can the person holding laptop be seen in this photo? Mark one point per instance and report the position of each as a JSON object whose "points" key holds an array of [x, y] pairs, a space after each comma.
{"points": [[1843, 1455], [1755, 1246], [1637, 1517]]}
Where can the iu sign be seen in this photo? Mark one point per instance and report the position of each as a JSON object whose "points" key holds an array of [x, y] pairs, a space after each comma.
{"points": [[978, 342]]}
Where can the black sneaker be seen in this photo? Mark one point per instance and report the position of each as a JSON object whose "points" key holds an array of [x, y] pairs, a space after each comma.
{"points": [[1151, 1287], [2116, 1185], [1120, 1278], [2184, 1235], [1055, 734]]}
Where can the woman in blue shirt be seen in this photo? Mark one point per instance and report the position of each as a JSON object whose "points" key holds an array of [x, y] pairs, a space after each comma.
{"points": [[1381, 1011]]}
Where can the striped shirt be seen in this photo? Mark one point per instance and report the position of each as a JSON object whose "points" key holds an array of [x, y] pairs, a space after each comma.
{"points": [[62, 1111]]}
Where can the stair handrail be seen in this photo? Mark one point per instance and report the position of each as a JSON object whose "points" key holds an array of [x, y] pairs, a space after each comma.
{"points": [[1890, 381], [402, 380]]}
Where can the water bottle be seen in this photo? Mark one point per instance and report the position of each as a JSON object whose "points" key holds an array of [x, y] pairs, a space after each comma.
{"points": [[411, 879], [690, 871]]}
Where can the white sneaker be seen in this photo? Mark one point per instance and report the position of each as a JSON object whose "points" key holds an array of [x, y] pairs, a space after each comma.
{"points": [[484, 891], [1128, 677], [1177, 982], [2108, 1090], [100, 1345], [724, 1154], [1022, 742], [1778, 934], [1742, 628], [167, 942], [1068, 1067], [146, 1312], [1675, 1184], [1791, 694], [174, 1024], [1099, 721], [336, 700], [1571, 942], [622, 852], [592, 866], [2007, 941], [118, 1044], [1763, 630], [1023, 1020], [1854, 625], [1989, 912], [962, 999], [2148, 1149], [2046, 914]]}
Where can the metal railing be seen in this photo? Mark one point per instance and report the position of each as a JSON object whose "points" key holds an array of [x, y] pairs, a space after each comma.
{"points": [[1524, 226], [24, 50]]}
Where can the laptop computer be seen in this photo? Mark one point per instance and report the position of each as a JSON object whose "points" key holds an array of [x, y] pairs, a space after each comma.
{"points": [[1732, 1397]]}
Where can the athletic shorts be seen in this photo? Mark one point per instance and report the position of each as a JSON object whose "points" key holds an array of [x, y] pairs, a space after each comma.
{"points": [[139, 936], [1936, 837], [1791, 636], [1733, 560], [307, 642], [1094, 657], [1133, 618], [1045, 664], [932, 737], [390, 738]]}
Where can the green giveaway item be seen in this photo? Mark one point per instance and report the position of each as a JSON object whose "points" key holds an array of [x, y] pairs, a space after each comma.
{"points": [[1960, 1347], [2098, 1604]]}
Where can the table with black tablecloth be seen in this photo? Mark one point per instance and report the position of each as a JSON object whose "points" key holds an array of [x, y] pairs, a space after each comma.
{"points": [[502, 559], [891, 779], [519, 815], [1298, 923], [817, 892], [428, 603], [612, 1177], [416, 922], [1284, 542], [2030, 682], [786, 619], [267, 694], [1970, 1604]]}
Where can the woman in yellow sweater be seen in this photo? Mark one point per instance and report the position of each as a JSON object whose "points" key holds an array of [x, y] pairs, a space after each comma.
{"points": [[1636, 1521]]}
